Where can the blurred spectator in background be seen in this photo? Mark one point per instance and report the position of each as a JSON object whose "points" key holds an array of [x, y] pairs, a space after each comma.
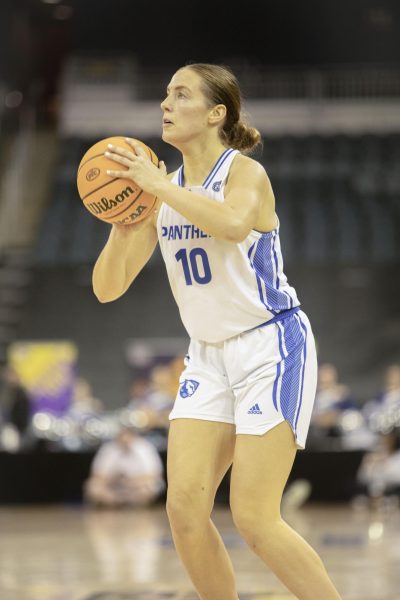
{"points": [[379, 473], [331, 399], [138, 392], [390, 395], [163, 388], [84, 403], [387, 400], [336, 416], [125, 472], [16, 411], [155, 396]]}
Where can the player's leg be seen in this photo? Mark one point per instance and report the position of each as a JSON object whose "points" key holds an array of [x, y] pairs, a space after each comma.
{"points": [[199, 454], [256, 495], [275, 400]]}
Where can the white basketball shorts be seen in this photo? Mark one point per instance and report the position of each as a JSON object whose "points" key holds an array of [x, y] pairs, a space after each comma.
{"points": [[254, 380]]}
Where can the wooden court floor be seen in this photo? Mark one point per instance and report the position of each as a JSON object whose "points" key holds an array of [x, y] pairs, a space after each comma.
{"points": [[76, 553]]}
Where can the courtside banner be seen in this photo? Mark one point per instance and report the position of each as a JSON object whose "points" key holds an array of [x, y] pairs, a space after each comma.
{"points": [[47, 370]]}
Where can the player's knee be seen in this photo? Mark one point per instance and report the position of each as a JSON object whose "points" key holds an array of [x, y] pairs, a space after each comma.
{"points": [[244, 520], [187, 510], [254, 522]]}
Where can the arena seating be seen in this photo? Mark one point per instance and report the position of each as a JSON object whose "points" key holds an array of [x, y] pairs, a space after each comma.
{"points": [[338, 200]]}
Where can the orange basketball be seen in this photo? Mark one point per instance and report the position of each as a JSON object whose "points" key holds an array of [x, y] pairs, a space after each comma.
{"points": [[112, 199]]}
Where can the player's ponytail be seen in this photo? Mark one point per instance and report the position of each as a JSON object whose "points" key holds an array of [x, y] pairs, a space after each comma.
{"points": [[220, 86], [241, 136]]}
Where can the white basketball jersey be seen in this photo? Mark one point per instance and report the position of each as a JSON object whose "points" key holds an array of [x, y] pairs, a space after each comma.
{"points": [[222, 288]]}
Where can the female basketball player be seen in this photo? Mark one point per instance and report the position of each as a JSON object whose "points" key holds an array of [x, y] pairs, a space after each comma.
{"points": [[247, 391]]}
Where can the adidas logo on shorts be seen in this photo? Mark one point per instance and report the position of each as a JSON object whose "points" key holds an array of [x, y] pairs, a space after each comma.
{"points": [[254, 410]]}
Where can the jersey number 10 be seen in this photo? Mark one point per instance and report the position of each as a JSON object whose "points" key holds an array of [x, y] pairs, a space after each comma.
{"points": [[191, 266]]}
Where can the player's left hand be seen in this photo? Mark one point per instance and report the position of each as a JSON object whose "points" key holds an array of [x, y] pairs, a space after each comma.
{"points": [[139, 166]]}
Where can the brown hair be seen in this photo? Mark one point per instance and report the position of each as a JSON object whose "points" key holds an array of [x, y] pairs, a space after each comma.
{"points": [[220, 86]]}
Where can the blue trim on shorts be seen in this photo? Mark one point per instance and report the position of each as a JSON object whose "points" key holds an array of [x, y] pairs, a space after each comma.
{"points": [[292, 372], [303, 369], [278, 370]]}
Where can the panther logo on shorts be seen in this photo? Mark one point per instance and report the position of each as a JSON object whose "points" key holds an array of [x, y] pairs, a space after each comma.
{"points": [[188, 388]]}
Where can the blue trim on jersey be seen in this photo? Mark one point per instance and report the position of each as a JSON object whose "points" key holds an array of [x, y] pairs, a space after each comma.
{"points": [[276, 263], [275, 232], [264, 262], [259, 282], [180, 176], [226, 153], [217, 166]]}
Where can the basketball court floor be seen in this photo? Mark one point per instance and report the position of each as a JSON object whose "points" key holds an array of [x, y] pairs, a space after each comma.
{"points": [[75, 553]]}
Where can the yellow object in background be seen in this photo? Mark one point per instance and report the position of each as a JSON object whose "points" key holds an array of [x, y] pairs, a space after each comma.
{"points": [[47, 370]]}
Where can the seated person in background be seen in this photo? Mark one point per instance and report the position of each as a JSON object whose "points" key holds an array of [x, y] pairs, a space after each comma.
{"points": [[332, 398], [138, 392], [155, 397], [379, 472], [336, 417], [388, 399], [125, 472], [84, 403]]}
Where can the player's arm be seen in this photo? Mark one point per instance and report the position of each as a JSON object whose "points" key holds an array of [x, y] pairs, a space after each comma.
{"points": [[248, 201], [248, 192], [248, 195], [128, 249]]}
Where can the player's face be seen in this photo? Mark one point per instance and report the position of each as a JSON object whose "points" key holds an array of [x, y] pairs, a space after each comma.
{"points": [[185, 109]]}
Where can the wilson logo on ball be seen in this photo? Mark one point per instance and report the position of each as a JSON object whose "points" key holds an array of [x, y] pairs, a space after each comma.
{"points": [[106, 204], [92, 174]]}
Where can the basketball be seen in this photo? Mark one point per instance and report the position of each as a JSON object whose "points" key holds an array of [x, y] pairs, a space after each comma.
{"points": [[112, 199]]}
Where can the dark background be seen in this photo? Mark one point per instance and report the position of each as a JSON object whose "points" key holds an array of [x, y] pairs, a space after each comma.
{"points": [[35, 37]]}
